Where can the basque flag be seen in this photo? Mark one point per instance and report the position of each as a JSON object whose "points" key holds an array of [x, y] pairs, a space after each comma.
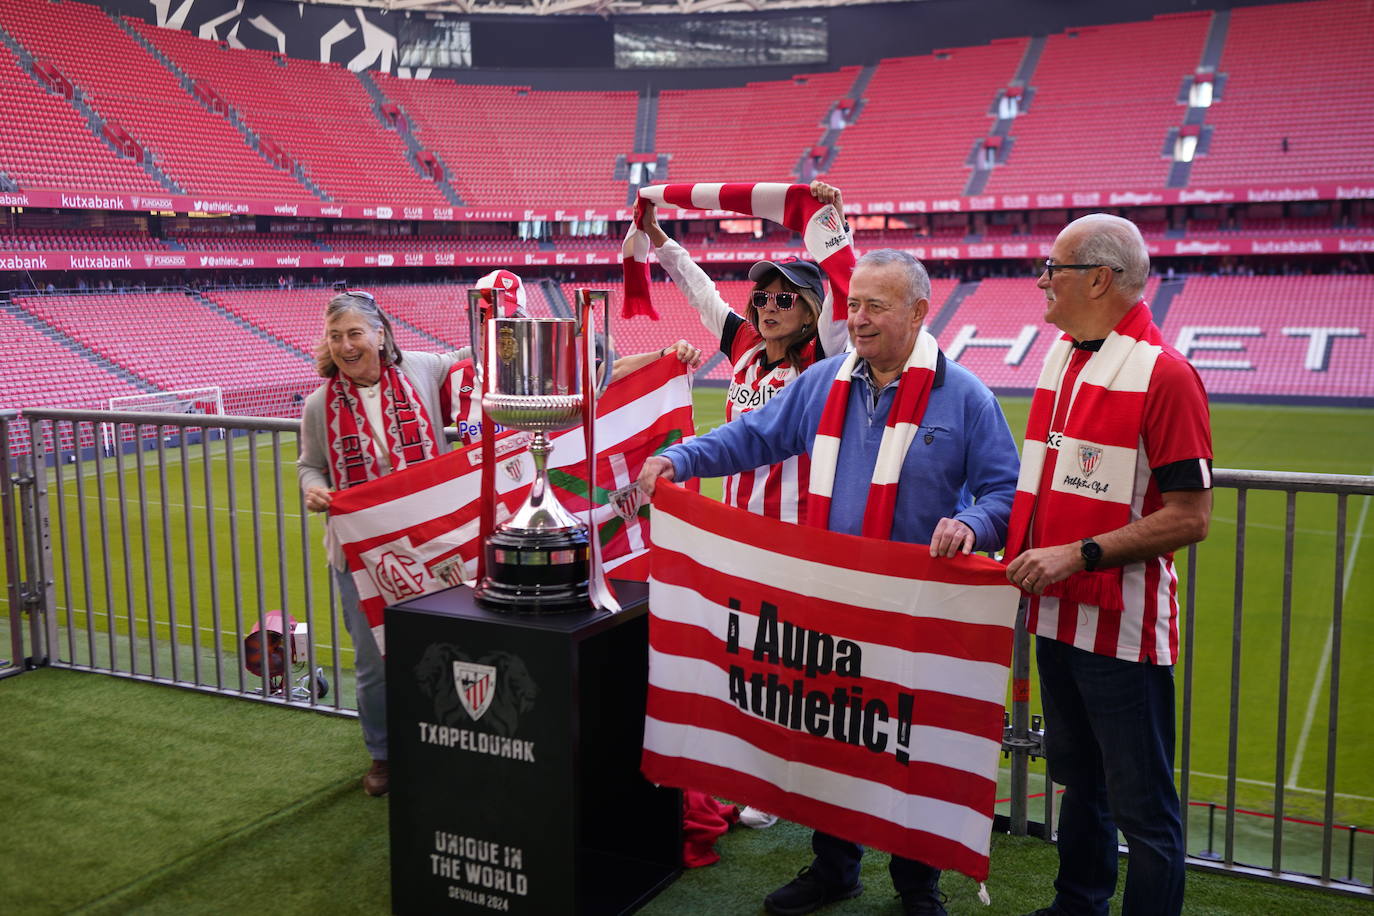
{"points": [[417, 531], [851, 684]]}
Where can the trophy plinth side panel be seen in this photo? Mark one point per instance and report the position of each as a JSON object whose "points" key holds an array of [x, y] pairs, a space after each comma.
{"points": [[511, 738]]}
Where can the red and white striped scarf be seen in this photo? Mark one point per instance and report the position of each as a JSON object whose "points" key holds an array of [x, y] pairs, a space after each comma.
{"points": [[821, 226], [410, 436], [903, 422], [1093, 484]]}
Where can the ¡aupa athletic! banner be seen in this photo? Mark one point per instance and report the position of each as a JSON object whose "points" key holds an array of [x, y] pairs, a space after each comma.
{"points": [[416, 531], [849, 684]]}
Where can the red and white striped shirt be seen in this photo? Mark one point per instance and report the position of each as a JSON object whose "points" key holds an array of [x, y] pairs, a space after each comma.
{"points": [[460, 399], [773, 490], [1175, 453], [776, 490]]}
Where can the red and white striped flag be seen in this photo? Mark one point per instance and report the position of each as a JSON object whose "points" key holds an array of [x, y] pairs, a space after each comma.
{"points": [[417, 531], [850, 684]]}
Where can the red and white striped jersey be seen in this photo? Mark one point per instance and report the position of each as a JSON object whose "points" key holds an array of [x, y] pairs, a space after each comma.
{"points": [[774, 490], [1175, 451], [460, 399], [778, 490]]}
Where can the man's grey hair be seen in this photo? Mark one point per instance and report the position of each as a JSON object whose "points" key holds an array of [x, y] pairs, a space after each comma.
{"points": [[1116, 242], [917, 280]]}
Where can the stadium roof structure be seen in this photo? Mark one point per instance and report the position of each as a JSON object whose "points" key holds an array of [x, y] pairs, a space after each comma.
{"points": [[603, 8]]}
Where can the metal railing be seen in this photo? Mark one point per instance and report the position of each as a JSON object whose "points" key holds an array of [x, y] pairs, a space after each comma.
{"points": [[157, 558], [1023, 741], [158, 547]]}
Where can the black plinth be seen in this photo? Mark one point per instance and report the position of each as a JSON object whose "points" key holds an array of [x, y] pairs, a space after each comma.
{"points": [[535, 573], [515, 747]]}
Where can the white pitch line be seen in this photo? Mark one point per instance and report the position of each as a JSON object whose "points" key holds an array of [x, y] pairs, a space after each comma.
{"points": [[109, 466], [1270, 783], [1319, 532], [1315, 696], [198, 507]]}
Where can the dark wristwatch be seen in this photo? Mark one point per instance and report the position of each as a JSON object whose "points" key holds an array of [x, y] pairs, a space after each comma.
{"points": [[1091, 552]]}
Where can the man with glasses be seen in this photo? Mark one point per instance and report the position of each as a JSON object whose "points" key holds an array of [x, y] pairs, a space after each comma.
{"points": [[894, 409], [1115, 476]]}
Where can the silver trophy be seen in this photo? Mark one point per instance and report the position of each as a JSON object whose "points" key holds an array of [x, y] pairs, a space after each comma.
{"points": [[530, 373]]}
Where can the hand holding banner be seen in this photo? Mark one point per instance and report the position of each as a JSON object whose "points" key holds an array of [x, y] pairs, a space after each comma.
{"points": [[850, 684]]}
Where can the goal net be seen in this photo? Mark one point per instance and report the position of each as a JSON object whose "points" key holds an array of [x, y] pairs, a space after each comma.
{"points": [[187, 402]]}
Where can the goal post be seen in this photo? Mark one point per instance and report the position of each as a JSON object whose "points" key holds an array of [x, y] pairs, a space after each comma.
{"points": [[186, 401]]}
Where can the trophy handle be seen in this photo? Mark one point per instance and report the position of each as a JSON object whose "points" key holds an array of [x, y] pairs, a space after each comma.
{"points": [[476, 301], [587, 298]]}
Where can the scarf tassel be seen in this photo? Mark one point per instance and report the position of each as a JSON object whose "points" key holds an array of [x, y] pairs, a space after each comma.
{"points": [[1101, 588]]}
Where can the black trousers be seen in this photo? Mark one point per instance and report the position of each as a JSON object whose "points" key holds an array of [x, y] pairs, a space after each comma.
{"points": [[837, 864]]}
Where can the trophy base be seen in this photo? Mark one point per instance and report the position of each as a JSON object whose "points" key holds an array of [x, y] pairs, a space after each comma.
{"points": [[536, 573]]}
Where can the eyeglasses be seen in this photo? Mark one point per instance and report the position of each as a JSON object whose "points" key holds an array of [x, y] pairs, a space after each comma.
{"points": [[784, 301], [1051, 267]]}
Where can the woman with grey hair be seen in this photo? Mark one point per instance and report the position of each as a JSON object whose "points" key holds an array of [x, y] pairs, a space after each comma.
{"points": [[377, 412]]}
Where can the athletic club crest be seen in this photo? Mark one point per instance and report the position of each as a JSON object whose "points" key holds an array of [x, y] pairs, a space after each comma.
{"points": [[514, 469], [1089, 457], [626, 501], [476, 687], [828, 219]]}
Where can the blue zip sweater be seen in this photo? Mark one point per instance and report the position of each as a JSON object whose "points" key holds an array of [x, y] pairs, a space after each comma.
{"points": [[962, 464]]}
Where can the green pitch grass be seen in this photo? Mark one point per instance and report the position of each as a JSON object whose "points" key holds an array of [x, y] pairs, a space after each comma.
{"points": [[124, 608]]}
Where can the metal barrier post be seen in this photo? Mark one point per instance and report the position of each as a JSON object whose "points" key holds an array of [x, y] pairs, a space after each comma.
{"points": [[1023, 743], [9, 540], [36, 589]]}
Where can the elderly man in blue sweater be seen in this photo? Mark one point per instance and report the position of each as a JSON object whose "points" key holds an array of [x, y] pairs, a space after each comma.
{"points": [[904, 444]]}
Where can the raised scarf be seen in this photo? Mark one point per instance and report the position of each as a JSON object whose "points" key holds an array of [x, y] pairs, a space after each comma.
{"points": [[409, 434], [821, 226], [903, 422], [1096, 452], [509, 288]]}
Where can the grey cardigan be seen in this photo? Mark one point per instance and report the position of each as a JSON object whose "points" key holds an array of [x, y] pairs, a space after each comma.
{"points": [[427, 373]]}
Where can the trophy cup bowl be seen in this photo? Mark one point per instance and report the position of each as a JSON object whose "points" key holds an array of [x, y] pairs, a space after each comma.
{"points": [[530, 370]]}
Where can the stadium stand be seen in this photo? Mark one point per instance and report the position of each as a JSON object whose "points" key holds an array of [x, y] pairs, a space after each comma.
{"points": [[47, 144], [1255, 336], [495, 142], [920, 119], [22, 239], [676, 320], [442, 311], [296, 316], [757, 132], [1008, 316], [172, 341], [199, 151], [1293, 106], [1104, 101], [38, 370], [280, 98], [243, 241]]}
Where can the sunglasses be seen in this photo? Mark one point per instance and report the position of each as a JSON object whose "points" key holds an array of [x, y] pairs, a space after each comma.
{"points": [[784, 301]]}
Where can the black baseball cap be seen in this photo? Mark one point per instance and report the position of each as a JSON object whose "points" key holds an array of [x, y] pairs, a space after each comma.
{"points": [[802, 274]]}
